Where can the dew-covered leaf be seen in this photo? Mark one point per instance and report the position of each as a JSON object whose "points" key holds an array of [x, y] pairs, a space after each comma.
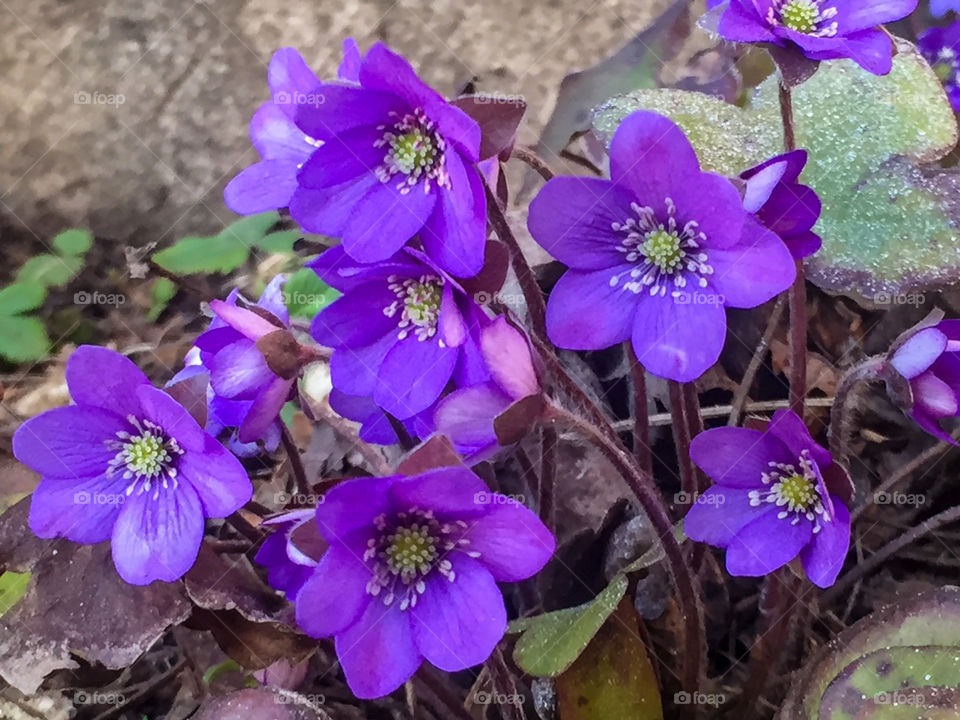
{"points": [[888, 224], [551, 642], [13, 585], [912, 644], [262, 703], [613, 679], [22, 338]]}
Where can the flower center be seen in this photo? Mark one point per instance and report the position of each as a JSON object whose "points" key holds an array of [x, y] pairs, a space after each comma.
{"points": [[945, 66], [418, 302], [796, 491], [406, 554], [145, 457], [803, 16], [662, 253], [415, 151]]}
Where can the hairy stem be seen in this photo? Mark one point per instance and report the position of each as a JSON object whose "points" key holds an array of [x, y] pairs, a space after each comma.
{"points": [[548, 476], [529, 156], [296, 462], [641, 413], [840, 430], [681, 440]]}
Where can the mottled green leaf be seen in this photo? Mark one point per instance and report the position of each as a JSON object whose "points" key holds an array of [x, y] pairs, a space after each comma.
{"points": [[22, 338], [13, 585], [888, 226], [20, 297], [553, 641], [160, 296], [305, 294], [49, 270], [73, 242]]}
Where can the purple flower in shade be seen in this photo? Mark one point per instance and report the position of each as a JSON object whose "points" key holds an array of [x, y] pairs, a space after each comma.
{"points": [[397, 161], [375, 426], [929, 359], [400, 334], [940, 46], [225, 413], [784, 206], [821, 29], [415, 562], [939, 8], [655, 253], [777, 496], [289, 566], [283, 147], [127, 463], [466, 416]]}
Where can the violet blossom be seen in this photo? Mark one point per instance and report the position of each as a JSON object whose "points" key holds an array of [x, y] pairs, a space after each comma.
{"points": [[782, 204], [127, 463], [655, 253], [401, 332], [777, 496], [397, 160], [821, 29], [412, 573], [375, 426], [929, 359], [939, 8], [940, 46], [466, 416], [288, 565]]}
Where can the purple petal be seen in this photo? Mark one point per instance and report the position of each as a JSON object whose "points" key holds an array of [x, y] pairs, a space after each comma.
{"points": [[791, 210], [68, 442], [455, 233], [219, 479], [387, 71], [375, 428], [352, 505], [919, 352], [451, 325], [793, 432], [512, 541], [336, 593], [354, 370], [105, 379], [458, 624], [344, 108], [823, 557], [343, 158], [261, 187], [714, 204], [158, 534], [349, 70], [289, 73], [738, 457], [933, 396], [766, 543], [507, 353], [276, 137], [377, 653], [328, 211], [865, 14], [742, 23], [871, 49], [679, 341], [239, 371], [271, 299], [413, 375], [385, 219], [719, 513], [931, 425], [170, 415], [585, 313], [357, 319], [265, 409], [652, 157], [758, 268], [466, 416], [761, 182], [248, 323], [81, 510], [448, 491], [572, 218]]}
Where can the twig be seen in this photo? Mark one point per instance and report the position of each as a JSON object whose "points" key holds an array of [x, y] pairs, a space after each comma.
{"points": [[531, 158], [548, 476], [641, 412], [581, 161], [433, 687], [296, 462], [177, 280], [681, 440], [743, 389], [716, 411]]}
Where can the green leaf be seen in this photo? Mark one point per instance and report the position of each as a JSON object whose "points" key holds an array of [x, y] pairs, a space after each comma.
{"points": [[888, 226], [191, 255], [23, 338], [49, 270], [251, 228], [278, 242], [305, 294], [13, 586], [73, 242], [162, 293], [553, 641], [20, 297]]}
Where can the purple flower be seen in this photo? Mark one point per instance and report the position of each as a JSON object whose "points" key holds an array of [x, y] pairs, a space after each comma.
{"points": [[782, 204], [375, 426], [822, 29], [939, 8], [129, 464], [253, 362], [466, 416], [288, 566], [777, 496], [225, 413], [940, 46], [401, 332], [655, 253], [397, 161], [415, 563], [929, 359]]}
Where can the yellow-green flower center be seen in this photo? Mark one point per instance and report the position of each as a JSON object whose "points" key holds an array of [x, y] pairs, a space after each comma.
{"points": [[799, 492], [413, 152], [146, 455], [422, 303], [411, 550], [418, 304], [800, 15], [663, 250], [943, 70]]}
